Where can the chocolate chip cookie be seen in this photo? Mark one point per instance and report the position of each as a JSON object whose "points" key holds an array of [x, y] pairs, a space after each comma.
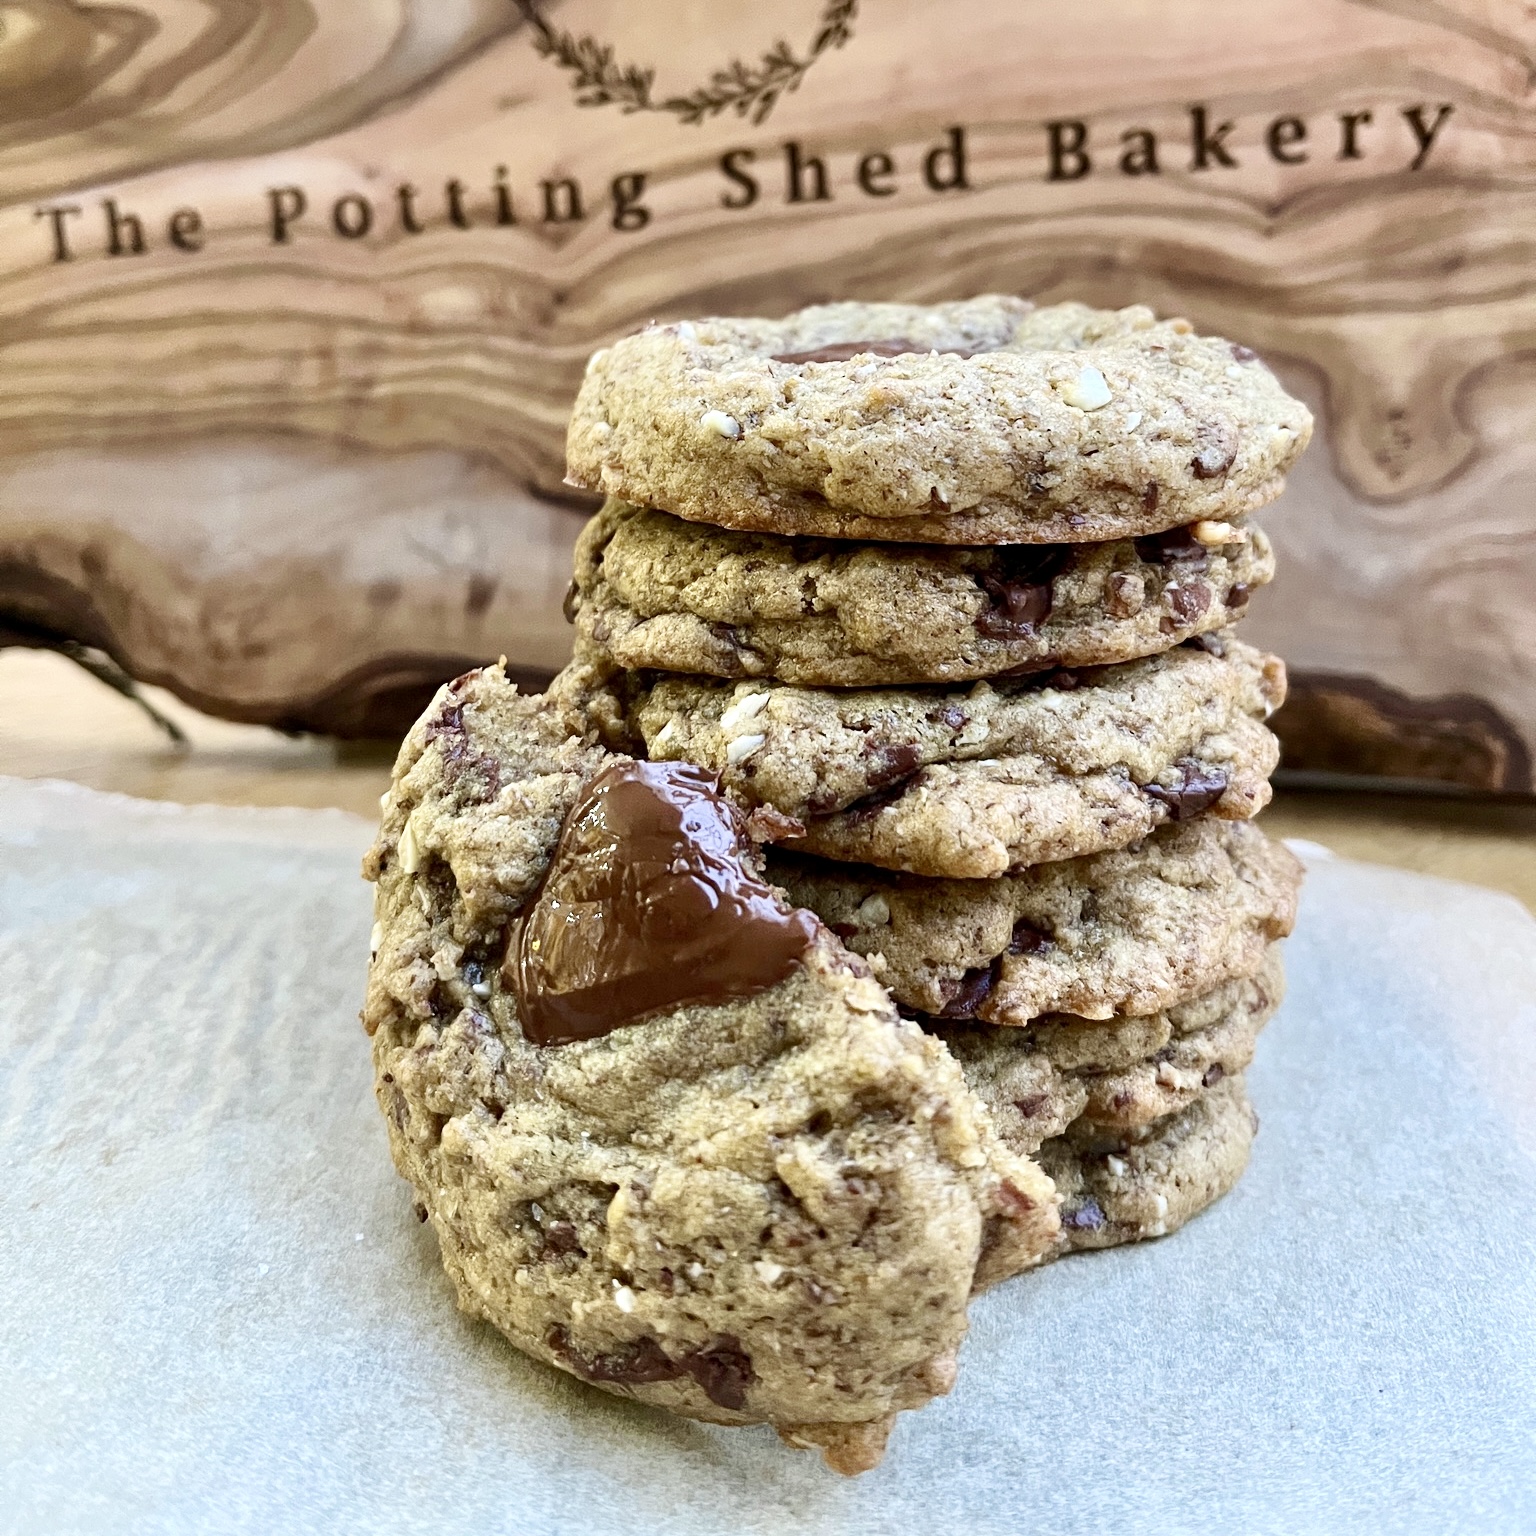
{"points": [[654, 591], [1122, 1188], [983, 422], [1128, 932], [975, 782], [671, 1135], [1062, 1073]]}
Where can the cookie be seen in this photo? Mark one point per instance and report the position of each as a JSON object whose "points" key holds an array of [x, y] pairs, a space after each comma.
{"points": [[983, 422], [1128, 932], [971, 783], [670, 1134], [1127, 1187], [1119, 1075], [654, 591]]}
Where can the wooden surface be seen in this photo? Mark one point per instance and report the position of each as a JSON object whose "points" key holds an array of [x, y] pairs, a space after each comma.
{"points": [[56, 722], [299, 478]]}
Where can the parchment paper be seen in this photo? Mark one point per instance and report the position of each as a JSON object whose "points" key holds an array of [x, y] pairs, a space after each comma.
{"points": [[218, 1313]]}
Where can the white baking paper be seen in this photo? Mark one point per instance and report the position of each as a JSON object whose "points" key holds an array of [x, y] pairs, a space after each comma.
{"points": [[218, 1313]]}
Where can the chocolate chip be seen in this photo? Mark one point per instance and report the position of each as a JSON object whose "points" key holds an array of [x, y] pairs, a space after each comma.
{"points": [[1238, 594], [420, 1211], [1241, 353], [844, 930], [1029, 939], [1031, 1104], [1189, 600], [965, 996], [767, 825], [561, 1237], [1215, 452], [723, 1369], [1149, 496], [569, 604], [894, 761], [644, 1361], [1213, 1074], [951, 716], [1173, 546], [1087, 1217], [1194, 792], [1020, 589]]}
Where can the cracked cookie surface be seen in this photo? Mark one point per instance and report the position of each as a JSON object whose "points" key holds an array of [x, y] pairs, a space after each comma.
{"points": [[654, 591], [988, 421], [1128, 932], [773, 1208], [973, 782]]}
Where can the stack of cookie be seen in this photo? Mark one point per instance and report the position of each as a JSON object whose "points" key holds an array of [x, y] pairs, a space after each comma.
{"points": [[946, 597], [933, 640]]}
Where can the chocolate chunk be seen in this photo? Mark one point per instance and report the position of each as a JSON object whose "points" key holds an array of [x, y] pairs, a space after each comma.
{"points": [[1173, 546], [1213, 1074], [1215, 452], [1238, 594], [560, 1237], [647, 904], [570, 603], [1212, 644], [1149, 494], [459, 760], [867, 807], [1189, 600], [970, 992], [722, 1368], [951, 716], [1087, 1217], [894, 761], [846, 351], [1031, 1104], [1029, 939], [767, 825], [1194, 792], [1020, 589]]}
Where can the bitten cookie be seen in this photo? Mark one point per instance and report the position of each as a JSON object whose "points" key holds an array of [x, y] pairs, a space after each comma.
{"points": [[970, 783], [672, 1137], [983, 422], [1128, 932], [654, 591]]}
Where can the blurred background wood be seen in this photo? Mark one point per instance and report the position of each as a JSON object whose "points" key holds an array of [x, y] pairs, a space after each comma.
{"points": [[301, 479]]}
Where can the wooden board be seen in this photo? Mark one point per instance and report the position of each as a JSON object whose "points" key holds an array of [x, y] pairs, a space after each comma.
{"points": [[296, 465]]}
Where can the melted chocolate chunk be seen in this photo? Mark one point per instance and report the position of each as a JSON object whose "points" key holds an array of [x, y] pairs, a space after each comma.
{"points": [[1029, 939], [971, 991], [1020, 590], [1173, 546], [1195, 791], [846, 351], [647, 904], [1087, 1217], [722, 1368]]}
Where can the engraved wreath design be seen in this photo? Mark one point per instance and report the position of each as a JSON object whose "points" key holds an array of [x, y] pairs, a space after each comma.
{"points": [[751, 91]]}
